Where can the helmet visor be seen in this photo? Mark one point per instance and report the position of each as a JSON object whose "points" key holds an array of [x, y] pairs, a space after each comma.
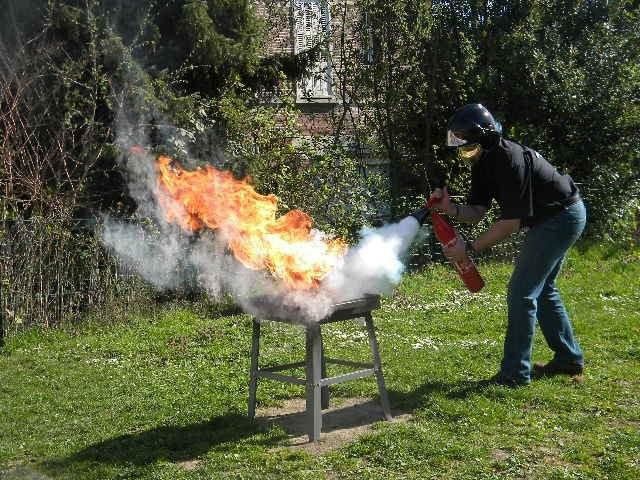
{"points": [[453, 140], [469, 151]]}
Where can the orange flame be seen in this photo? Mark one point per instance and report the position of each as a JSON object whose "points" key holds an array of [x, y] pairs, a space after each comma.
{"points": [[211, 198]]}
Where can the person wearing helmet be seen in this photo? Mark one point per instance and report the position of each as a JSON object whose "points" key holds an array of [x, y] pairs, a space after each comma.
{"points": [[531, 195]]}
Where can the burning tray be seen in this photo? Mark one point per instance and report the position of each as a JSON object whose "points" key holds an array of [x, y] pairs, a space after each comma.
{"points": [[284, 309], [351, 308]]}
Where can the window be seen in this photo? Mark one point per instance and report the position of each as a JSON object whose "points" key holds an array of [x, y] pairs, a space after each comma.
{"points": [[312, 27]]}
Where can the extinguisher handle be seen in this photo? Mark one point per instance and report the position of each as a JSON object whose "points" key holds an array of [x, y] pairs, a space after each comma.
{"points": [[433, 200]]}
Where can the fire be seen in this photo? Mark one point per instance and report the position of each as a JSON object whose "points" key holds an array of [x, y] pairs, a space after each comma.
{"points": [[211, 198]]}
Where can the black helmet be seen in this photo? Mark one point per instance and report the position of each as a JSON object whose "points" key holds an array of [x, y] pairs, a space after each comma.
{"points": [[473, 124]]}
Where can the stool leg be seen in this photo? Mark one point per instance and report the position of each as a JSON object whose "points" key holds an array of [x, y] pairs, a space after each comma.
{"points": [[253, 375], [324, 391], [377, 366], [313, 363]]}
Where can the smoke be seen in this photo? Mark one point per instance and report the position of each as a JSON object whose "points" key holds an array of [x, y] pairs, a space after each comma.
{"points": [[168, 259], [156, 261], [375, 265]]}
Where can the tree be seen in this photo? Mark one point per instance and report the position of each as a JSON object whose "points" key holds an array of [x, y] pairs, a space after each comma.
{"points": [[70, 67], [561, 75]]}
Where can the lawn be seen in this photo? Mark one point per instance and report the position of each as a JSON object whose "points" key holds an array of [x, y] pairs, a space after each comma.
{"points": [[162, 395]]}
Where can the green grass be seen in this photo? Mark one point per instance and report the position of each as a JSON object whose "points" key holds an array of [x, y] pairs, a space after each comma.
{"points": [[139, 397]]}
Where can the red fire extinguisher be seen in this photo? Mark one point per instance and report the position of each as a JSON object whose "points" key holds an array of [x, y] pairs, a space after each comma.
{"points": [[447, 236]]}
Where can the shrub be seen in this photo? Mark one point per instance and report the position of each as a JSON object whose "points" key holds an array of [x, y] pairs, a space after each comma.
{"points": [[318, 175]]}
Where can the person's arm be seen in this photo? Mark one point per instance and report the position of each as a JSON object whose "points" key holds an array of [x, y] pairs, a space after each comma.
{"points": [[497, 232], [468, 213], [462, 213]]}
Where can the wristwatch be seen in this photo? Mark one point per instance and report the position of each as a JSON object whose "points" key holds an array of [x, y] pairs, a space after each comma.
{"points": [[468, 248]]}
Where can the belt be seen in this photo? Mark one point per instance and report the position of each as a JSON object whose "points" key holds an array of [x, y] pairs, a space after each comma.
{"points": [[552, 210], [575, 198]]}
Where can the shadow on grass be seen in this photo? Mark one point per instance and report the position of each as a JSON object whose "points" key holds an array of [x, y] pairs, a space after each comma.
{"points": [[422, 396], [352, 416], [361, 414], [176, 444], [343, 417], [169, 443]]}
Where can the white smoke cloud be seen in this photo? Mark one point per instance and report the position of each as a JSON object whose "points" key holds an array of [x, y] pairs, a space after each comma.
{"points": [[375, 265], [372, 267], [156, 261]]}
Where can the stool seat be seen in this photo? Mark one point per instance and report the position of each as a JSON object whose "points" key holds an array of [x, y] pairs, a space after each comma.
{"points": [[316, 381]]}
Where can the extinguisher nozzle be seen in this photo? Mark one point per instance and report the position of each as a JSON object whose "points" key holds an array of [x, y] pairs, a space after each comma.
{"points": [[420, 215]]}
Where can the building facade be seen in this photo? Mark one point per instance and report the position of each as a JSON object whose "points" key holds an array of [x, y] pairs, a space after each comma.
{"points": [[297, 26]]}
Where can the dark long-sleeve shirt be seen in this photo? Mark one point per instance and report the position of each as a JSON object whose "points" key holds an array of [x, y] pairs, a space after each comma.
{"points": [[525, 185]]}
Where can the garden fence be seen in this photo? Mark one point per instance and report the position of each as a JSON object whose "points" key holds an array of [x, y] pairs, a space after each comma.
{"points": [[50, 272]]}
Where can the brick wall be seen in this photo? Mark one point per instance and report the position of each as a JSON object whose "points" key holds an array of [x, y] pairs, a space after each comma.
{"points": [[277, 14]]}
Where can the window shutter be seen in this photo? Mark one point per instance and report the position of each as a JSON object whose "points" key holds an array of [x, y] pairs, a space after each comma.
{"points": [[298, 26], [311, 26]]}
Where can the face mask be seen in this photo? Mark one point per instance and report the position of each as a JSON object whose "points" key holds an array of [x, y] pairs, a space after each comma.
{"points": [[469, 151]]}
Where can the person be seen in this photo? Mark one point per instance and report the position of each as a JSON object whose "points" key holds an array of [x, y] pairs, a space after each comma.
{"points": [[532, 195]]}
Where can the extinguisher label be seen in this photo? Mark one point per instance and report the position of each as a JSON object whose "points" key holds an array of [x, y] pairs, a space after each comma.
{"points": [[464, 266], [451, 242]]}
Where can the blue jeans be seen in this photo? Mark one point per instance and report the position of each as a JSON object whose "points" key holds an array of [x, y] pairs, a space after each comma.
{"points": [[532, 294]]}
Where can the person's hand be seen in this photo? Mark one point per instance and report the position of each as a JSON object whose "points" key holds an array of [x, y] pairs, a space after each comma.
{"points": [[455, 252], [442, 202]]}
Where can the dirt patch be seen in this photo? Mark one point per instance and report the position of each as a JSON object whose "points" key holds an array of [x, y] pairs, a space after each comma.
{"points": [[189, 465], [499, 455], [624, 423], [22, 473], [550, 456], [344, 421]]}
